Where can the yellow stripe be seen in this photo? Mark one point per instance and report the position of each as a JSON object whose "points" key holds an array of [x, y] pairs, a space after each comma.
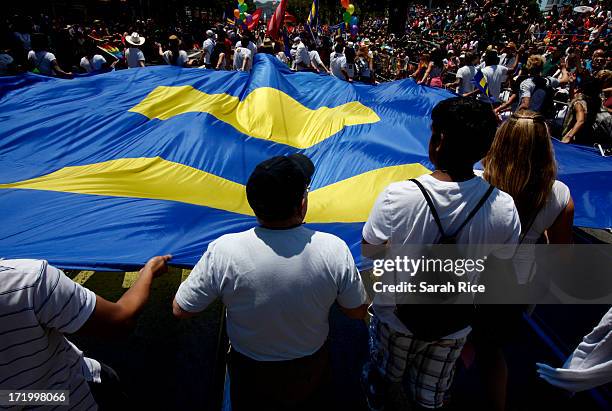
{"points": [[266, 113], [345, 201]]}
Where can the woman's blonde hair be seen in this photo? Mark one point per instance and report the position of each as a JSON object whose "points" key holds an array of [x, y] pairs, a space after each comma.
{"points": [[521, 162]]}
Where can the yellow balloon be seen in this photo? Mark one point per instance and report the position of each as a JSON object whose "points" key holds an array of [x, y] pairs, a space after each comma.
{"points": [[240, 1], [351, 9]]}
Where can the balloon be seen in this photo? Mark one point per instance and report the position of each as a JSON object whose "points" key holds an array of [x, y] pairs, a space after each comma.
{"points": [[240, 1], [346, 17], [236, 13], [345, 3], [354, 21], [249, 19], [243, 7], [354, 29], [242, 16], [350, 9]]}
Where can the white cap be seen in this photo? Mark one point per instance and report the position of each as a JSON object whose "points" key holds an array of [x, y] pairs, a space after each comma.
{"points": [[210, 33], [296, 39]]}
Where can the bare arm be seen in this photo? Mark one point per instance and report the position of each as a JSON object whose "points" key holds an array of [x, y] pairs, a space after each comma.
{"points": [[59, 71], [357, 313], [179, 312], [580, 120], [506, 105], [112, 319], [524, 103], [424, 78], [561, 230]]}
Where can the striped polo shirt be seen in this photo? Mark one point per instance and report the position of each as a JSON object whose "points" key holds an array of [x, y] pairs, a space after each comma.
{"points": [[38, 304]]}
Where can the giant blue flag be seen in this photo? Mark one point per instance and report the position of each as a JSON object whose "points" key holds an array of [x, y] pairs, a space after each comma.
{"points": [[103, 172]]}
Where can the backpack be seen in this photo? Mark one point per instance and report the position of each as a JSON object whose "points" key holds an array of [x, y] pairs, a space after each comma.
{"points": [[547, 109], [430, 322]]}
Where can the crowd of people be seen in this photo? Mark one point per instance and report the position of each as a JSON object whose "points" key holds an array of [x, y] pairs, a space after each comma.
{"points": [[556, 63], [279, 280]]}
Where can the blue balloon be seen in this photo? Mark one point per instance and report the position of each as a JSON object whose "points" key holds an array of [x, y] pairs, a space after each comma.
{"points": [[354, 21]]}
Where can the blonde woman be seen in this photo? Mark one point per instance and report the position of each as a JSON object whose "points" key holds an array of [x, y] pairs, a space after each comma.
{"points": [[520, 162]]}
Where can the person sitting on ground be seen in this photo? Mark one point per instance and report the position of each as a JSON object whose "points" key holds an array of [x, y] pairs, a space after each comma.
{"points": [[416, 346], [537, 91], [278, 282], [133, 55], [174, 56], [585, 122], [39, 305], [42, 61]]}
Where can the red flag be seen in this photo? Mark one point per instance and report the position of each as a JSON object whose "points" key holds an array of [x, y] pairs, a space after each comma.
{"points": [[290, 18], [277, 19], [255, 19]]}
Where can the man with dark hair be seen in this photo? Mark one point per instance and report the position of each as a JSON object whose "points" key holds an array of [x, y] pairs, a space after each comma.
{"points": [[278, 282], [450, 200]]}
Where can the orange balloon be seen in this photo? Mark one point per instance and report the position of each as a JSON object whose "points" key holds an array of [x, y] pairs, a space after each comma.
{"points": [[236, 13], [345, 3]]}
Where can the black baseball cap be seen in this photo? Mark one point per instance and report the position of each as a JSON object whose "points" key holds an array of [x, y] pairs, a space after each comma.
{"points": [[276, 186]]}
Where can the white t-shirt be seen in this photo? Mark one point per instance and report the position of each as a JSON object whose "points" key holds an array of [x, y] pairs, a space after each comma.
{"points": [[282, 57], [524, 260], [5, 61], [315, 58], [536, 95], [38, 305], [133, 56], [466, 74], [182, 59], [43, 61], [95, 64], [240, 54], [302, 58], [278, 287], [495, 76], [251, 46], [337, 63], [207, 47], [401, 216]]}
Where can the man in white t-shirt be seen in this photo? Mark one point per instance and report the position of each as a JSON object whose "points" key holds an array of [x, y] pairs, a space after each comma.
{"points": [[302, 57], [42, 61], [278, 282], [462, 132], [245, 42], [337, 63], [243, 58], [93, 64], [464, 84], [495, 74], [208, 47], [39, 305], [133, 55]]}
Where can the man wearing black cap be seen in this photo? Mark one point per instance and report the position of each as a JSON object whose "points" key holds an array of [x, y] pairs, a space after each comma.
{"points": [[278, 282]]}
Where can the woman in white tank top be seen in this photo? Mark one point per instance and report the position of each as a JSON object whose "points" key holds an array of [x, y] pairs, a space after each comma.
{"points": [[522, 163]]}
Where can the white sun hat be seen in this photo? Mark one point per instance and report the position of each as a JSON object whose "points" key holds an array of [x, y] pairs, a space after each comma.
{"points": [[135, 39]]}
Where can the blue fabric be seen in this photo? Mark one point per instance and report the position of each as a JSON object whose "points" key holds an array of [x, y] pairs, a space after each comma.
{"points": [[47, 124]]}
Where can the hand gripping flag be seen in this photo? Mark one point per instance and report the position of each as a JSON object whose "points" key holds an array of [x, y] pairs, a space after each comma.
{"points": [[480, 81], [103, 172]]}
